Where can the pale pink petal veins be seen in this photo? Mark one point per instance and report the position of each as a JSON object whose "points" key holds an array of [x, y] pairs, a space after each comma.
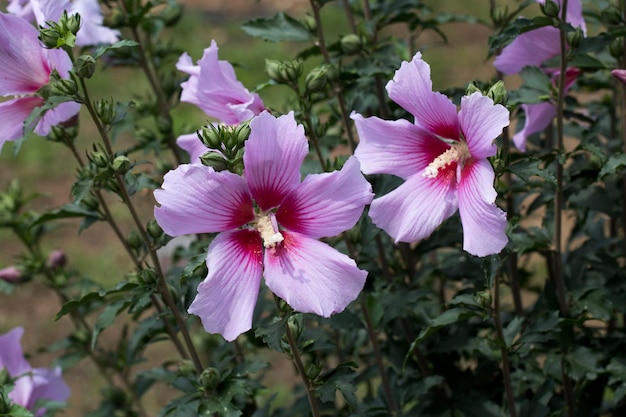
{"points": [[272, 158], [538, 117], [414, 210], [311, 276], [11, 355], [484, 223], [92, 31], [411, 88], [481, 122], [193, 145], [395, 147], [197, 199], [226, 298], [58, 114], [530, 48], [326, 204], [13, 113], [24, 64]]}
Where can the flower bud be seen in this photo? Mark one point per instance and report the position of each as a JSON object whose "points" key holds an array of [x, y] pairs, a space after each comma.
{"points": [[106, 111], [134, 240], [312, 370], [309, 23], [611, 16], [483, 298], [295, 326], [64, 87], [50, 37], [497, 93], [56, 259], [316, 80], [574, 38], [214, 160], [351, 43], [210, 379], [271, 67], [10, 274], [154, 230], [85, 66], [171, 14], [72, 23], [550, 9], [148, 276], [616, 47], [100, 159], [90, 202], [121, 164], [242, 133], [472, 88], [498, 15], [5, 378], [111, 184], [283, 72]]}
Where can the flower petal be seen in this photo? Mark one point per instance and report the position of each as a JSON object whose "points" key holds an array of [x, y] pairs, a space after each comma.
{"points": [[311, 276], [21, 8], [196, 199], [13, 113], [530, 48], [226, 298], [481, 123], [412, 88], [25, 67], [11, 355], [55, 116], [574, 15], [193, 145], [48, 10], [414, 210], [42, 384], [92, 31], [483, 222], [272, 158], [326, 204], [395, 147], [538, 117]]}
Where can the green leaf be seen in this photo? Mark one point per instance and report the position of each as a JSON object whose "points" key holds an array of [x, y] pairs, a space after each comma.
{"points": [[80, 189], [195, 263], [125, 43], [612, 164], [511, 330], [107, 317], [584, 363], [272, 334], [528, 169], [537, 87], [279, 28], [66, 212]]}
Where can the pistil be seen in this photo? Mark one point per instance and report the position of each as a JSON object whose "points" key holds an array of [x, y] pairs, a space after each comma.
{"points": [[267, 227], [456, 153]]}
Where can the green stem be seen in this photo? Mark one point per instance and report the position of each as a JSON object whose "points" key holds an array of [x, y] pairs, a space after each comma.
{"points": [[504, 350]]}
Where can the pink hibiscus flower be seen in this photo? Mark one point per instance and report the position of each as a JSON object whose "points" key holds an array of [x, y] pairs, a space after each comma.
{"points": [[268, 222], [214, 88], [92, 30], [533, 48], [443, 159], [26, 67], [31, 384]]}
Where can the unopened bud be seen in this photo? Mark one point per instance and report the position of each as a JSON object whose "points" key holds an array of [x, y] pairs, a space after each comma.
{"points": [[100, 159], [574, 38], [148, 276], [121, 164], [242, 133], [351, 43], [85, 66], [106, 111], [5, 378], [154, 230], [312, 370], [616, 47], [294, 326], [611, 16], [309, 23], [472, 88], [316, 80], [210, 379], [72, 22], [483, 298], [497, 93], [134, 240], [49, 37], [64, 87], [550, 9], [10, 274], [56, 259], [214, 160], [284, 72], [498, 15]]}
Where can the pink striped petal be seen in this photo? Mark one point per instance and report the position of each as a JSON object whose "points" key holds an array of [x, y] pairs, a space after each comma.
{"points": [[395, 147], [483, 222], [226, 298], [414, 210], [13, 113], [11, 355], [482, 122], [24, 64], [193, 145], [55, 116], [538, 117], [574, 14], [311, 276], [92, 31], [412, 88], [530, 48], [196, 199], [273, 156], [21, 8], [326, 204]]}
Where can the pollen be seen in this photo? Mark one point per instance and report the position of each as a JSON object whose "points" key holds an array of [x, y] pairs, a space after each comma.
{"points": [[457, 153], [267, 227]]}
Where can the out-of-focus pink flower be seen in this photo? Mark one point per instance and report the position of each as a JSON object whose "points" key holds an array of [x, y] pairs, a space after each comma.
{"points": [[31, 384], [10, 274], [26, 67], [214, 88], [268, 223], [56, 259], [533, 48], [620, 74], [92, 30], [443, 159]]}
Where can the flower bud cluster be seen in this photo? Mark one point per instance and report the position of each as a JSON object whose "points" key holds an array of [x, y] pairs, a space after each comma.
{"points": [[226, 145], [284, 72], [61, 34], [319, 77]]}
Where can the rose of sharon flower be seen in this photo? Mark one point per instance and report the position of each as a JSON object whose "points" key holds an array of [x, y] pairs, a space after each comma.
{"points": [[268, 222], [214, 88], [533, 48], [443, 159], [26, 67], [92, 30], [31, 384]]}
